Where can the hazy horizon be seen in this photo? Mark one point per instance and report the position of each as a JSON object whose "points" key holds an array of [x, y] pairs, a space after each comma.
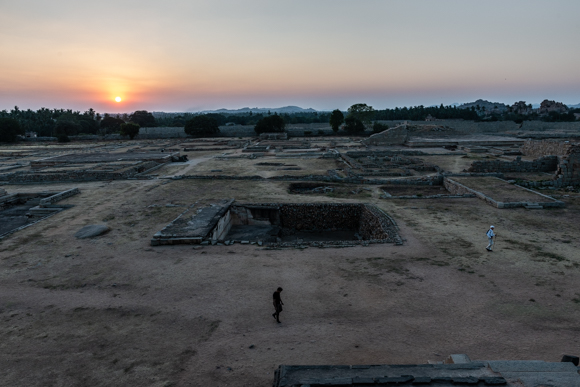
{"points": [[199, 55]]}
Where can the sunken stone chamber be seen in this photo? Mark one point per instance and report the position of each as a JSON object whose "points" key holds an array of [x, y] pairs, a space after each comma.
{"points": [[282, 224]]}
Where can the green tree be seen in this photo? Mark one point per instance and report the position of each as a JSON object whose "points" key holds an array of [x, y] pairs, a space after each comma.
{"points": [[362, 112], [10, 129], [130, 129], [270, 124], [353, 125], [336, 119], [143, 118], [65, 128], [202, 125], [111, 124]]}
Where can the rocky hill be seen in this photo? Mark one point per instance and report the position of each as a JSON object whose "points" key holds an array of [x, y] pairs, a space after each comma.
{"points": [[487, 105]]}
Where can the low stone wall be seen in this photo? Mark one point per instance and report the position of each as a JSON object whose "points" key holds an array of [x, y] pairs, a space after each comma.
{"points": [[394, 136], [77, 175], [569, 169], [310, 217], [368, 221], [359, 154], [535, 148], [428, 180], [374, 224], [161, 132], [459, 189], [543, 164], [58, 197]]}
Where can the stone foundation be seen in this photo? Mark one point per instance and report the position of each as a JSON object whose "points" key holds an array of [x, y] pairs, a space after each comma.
{"points": [[281, 225], [543, 201], [543, 164]]}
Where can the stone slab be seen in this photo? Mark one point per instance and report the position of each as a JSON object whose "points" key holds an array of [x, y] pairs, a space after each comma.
{"points": [[530, 366], [92, 231]]}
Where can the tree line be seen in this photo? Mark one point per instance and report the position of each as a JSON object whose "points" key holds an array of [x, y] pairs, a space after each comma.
{"points": [[62, 123]]}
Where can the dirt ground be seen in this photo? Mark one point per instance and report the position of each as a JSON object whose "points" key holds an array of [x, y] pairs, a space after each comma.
{"points": [[500, 190], [115, 311]]}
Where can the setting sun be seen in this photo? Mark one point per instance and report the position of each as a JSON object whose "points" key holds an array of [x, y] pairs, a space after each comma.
{"points": [[118, 99]]}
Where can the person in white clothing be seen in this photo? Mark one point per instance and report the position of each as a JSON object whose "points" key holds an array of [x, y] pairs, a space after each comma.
{"points": [[490, 238]]}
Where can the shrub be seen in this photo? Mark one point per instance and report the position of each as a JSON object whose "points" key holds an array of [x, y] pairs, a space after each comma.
{"points": [[202, 125], [10, 129], [130, 129], [62, 137], [270, 124], [336, 119], [353, 125]]}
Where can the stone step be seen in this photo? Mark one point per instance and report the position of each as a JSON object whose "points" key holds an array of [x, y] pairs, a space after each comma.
{"points": [[534, 207]]}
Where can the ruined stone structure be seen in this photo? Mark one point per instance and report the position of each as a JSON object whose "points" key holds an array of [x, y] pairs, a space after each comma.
{"points": [[21, 210], [562, 158], [539, 200], [456, 370], [281, 224], [274, 136], [393, 136], [535, 148], [568, 172], [119, 172], [543, 164]]}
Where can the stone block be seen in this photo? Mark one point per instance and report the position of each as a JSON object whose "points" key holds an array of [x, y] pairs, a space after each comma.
{"points": [[92, 231]]}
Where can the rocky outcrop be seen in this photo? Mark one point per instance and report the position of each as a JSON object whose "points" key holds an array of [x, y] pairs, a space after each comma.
{"points": [[548, 106], [522, 108]]}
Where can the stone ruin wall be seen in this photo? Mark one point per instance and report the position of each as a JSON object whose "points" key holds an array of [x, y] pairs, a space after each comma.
{"points": [[373, 225], [77, 175], [566, 167], [369, 222], [323, 216], [569, 169], [393, 136], [535, 148], [543, 164]]}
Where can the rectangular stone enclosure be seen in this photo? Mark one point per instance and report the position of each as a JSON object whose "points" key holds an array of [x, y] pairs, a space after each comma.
{"points": [[281, 224]]}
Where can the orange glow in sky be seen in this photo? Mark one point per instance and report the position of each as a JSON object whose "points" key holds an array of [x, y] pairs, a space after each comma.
{"points": [[259, 53]]}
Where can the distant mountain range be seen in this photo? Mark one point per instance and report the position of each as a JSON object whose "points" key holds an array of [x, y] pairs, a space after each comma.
{"points": [[256, 110], [490, 106]]}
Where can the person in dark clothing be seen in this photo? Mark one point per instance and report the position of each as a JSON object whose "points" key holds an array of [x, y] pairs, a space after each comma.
{"points": [[277, 304]]}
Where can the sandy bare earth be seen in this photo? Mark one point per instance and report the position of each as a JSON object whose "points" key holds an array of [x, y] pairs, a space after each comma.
{"points": [[115, 311]]}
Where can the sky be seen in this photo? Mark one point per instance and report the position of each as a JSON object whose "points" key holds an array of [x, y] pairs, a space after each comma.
{"points": [[193, 55]]}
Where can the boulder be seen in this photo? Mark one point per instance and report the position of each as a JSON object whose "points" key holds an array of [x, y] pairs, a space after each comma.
{"points": [[92, 230]]}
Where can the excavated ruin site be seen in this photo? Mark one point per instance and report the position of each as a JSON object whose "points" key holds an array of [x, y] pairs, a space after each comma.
{"points": [[378, 242]]}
